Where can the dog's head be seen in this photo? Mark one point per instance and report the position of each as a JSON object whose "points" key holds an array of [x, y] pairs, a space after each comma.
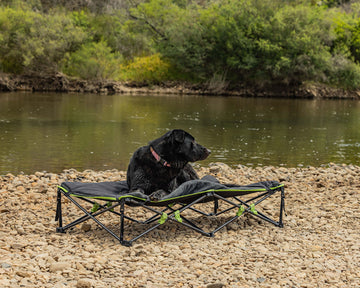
{"points": [[182, 146]]}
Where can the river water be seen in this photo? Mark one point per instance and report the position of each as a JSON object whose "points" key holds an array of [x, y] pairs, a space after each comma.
{"points": [[51, 132]]}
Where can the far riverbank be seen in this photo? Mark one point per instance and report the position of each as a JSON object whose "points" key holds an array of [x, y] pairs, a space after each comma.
{"points": [[61, 83]]}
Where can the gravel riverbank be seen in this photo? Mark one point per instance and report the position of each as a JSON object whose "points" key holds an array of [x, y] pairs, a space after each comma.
{"points": [[319, 245]]}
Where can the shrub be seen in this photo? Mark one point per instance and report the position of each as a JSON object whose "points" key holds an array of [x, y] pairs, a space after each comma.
{"points": [[344, 73], [120, 35], [31, 42], [150, 69], [93, 61]]}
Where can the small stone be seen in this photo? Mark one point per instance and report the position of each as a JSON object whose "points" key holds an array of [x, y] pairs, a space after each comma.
{"points": [[86, 227], [24, 282], [84, 283], [215, 285], [214, 169], [23, 274], [5, 283], [39, 174], [79, 267], [58, 266], [20, 230], [38, 227], [260, 279], [20, 189], [233, 226], [18, 246], [42, 189], [5, 265]]}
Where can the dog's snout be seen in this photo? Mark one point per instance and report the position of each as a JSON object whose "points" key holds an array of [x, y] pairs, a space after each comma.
{"points": [[205, 153]]}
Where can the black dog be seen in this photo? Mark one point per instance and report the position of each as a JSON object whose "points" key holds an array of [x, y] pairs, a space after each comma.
{"points": [[160, 167]]}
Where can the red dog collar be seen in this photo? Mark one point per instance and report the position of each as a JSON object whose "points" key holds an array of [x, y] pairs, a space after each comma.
{"points": [[158, 158]]}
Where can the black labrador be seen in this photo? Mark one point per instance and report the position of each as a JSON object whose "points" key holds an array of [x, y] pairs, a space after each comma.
{"points": [[160, 167]]}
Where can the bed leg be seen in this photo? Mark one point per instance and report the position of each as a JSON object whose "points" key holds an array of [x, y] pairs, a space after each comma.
{"points": [[216, 206], [58, 216], [122, 217], [282, 208]]}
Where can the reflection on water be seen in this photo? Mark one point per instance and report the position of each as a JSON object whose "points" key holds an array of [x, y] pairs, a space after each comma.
{"points": [[53, 132]]}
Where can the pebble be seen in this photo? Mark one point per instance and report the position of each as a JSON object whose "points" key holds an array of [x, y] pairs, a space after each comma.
{"points": [[17, 246], [215, 285], [86, 227], [5, 265], [22, 274], [84, 283], [58, 266], [318, 246]]}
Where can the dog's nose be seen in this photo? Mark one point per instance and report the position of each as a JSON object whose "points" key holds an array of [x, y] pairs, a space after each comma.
{"points": [[208, 151]]}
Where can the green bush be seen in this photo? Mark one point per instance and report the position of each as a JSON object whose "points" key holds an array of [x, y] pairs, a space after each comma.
{"points": [[93, 61], [300, 36], [344, 73], [120, 36], [149, 69], [347, 31], [31, 42]]}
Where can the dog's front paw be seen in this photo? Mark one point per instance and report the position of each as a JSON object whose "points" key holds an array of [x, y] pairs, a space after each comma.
{"points": [[139, 193], [158, 195]]}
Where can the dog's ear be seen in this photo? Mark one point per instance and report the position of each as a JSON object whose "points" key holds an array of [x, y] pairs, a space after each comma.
{"points": [[178, 135]]}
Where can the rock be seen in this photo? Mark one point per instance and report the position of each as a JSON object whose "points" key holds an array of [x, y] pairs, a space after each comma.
{"points": [[38, 227], [84, 283], [39, 174], [215, 285], [20, 230], [214, 169], [5, 265], [86, 227], [58, 266], [18, 246], [5, 282], [20, 189], [22, 273], [260, 279], [42, 189]]}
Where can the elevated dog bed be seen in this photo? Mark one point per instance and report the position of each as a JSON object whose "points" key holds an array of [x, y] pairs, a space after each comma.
{"points": [[105, 196]]}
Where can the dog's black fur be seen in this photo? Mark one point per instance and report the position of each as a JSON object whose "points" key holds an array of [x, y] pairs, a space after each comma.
{"points": [[157, 177]]}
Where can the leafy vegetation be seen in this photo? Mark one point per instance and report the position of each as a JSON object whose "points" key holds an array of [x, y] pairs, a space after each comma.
{"points": [[225, 43]]}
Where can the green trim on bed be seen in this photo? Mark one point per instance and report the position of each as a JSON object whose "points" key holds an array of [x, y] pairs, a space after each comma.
{"points": [[108, 198], [62, 188], [101, 197], [168, 199]]}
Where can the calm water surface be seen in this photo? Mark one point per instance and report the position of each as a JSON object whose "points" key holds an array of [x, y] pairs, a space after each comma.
{"points": [[52, 132]]}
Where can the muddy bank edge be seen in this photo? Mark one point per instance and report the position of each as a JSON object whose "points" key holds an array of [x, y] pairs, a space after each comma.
{"points": [[61, 83]]}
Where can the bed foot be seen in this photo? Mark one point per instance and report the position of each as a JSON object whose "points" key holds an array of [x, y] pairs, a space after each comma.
{"points": [[60, 230], [126, 243]]}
